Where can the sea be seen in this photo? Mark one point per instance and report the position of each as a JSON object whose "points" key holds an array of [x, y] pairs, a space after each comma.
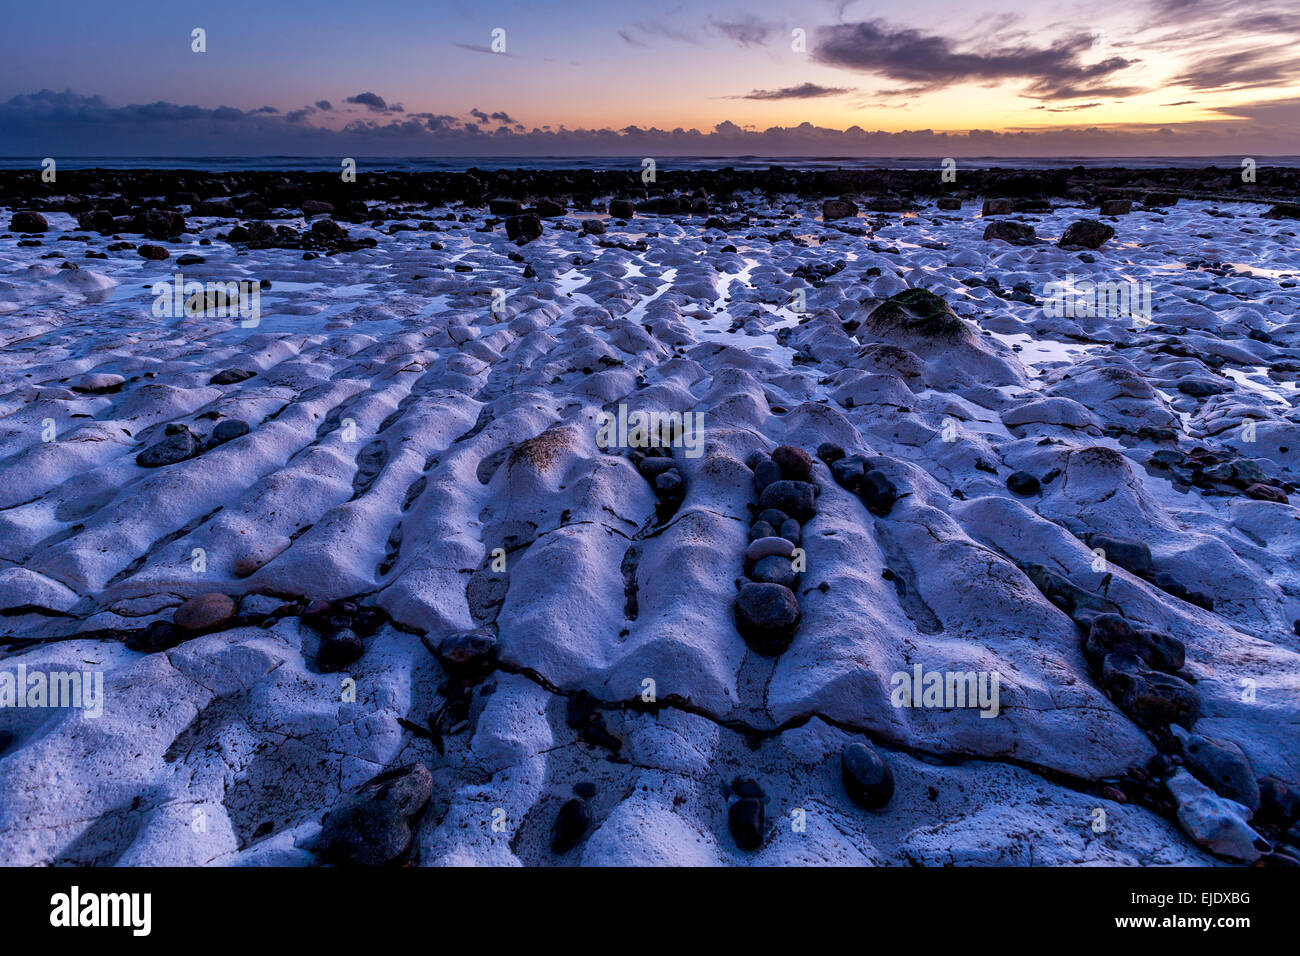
{"points": [[459, 164]]}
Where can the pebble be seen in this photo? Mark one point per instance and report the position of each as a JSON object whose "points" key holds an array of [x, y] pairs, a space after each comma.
{"points": [[766, 474], [174, 448], [795, 463], [1016, 233], [468, 655], [767, 616], [28, 221], [204, 611], [848, 472], [526, 227], [1214, 822], [149, 251], [1086, 233], [829, 452], [795, 498], [231, 376], [570, 824], [1155, 699], [866, 776], [158, 636], [877, 492], [229, 430], [791, 531], [1222, 767], [775, 570], [652, 467], [747, 820], [669, 484], [338, 649], [1110, 633], [1023, 483], [765, 547]]}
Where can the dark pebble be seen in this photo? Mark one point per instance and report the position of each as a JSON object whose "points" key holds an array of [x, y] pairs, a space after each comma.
{"points": [[338, 649], [848, 472], [570, 824], [867, 778], [795, 463], [877, 492], [790, 531], [1223, 768], [747, 821], [172, 449], [229, 430], [1023, 483], [230, 376], [468, 655], [829, 452], [766, 474], [767, 616], [774, 570], [796, 498], [669, 484]]}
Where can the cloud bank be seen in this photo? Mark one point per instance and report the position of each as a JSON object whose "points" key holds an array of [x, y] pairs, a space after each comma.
{"points": [[69, 124]]}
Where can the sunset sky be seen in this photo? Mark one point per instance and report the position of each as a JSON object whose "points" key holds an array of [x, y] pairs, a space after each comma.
{"points": [[402, 77]]}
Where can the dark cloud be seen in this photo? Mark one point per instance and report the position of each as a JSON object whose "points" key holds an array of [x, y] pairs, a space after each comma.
{"points": [[1069, 109], [1252, 42], [931, 62], [1201, 20], [372, 101], [805, 91], [663, 28], [747, 31], [1273, 66], [324, 105]]}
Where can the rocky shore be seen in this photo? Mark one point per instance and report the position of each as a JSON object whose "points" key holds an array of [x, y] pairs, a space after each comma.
{"points": [[312, 472]]}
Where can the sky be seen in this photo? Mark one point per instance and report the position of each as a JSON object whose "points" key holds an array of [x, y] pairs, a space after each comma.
{"points": [[767, 77]]}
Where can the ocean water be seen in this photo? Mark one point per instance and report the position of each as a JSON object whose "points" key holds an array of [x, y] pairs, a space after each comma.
{"points": [[456, 164]]}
